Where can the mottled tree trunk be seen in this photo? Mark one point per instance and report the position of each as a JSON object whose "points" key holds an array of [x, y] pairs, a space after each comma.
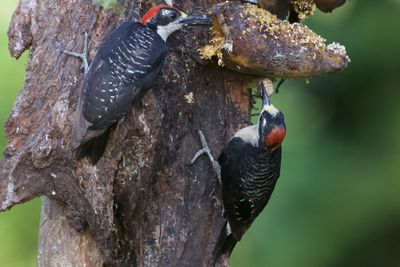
{"points": [[142, 204]]}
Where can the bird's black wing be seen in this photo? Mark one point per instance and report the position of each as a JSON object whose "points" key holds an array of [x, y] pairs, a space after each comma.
{"points": [[231, 161], [260, 180], [229, 158], [123, 69]]}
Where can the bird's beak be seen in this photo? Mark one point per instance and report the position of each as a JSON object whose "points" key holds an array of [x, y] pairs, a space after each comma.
{"points": [[195, 20], [264, 94]]}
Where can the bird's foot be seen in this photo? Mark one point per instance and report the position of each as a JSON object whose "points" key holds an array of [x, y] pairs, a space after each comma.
{"points": [[228, 47], [206, 150], [83, 55]]}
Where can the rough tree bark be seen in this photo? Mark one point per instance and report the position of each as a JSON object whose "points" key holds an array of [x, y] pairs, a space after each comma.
{"points": [[142, 205]]}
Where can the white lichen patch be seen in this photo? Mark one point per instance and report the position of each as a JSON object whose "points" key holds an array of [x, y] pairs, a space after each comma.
{"points": [[45, 144], [189, 97], [60, 111], [27, 6], [17, 105], [9, 194], [142, 120], [338, 49]]}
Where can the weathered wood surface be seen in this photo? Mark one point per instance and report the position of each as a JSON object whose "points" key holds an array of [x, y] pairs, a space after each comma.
{"points": [[142, 205]]}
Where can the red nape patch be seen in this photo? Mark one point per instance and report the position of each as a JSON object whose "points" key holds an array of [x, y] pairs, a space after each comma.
{"points": [[153, 11], [274, 139]]}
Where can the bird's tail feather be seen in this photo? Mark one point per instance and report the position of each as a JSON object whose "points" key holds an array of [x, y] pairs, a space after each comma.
{"points": [[225, 244], [94, 148]]}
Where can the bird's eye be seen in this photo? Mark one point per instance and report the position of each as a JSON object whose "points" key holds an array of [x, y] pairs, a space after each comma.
{"points": [[173, 15]]}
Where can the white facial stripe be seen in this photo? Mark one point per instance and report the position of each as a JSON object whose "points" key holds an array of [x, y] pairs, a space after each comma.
{"points": [[165, 31], [264, 124], [271, 110]]}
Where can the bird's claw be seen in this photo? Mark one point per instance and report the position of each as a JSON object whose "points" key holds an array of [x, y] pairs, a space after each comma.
{"points": [[83, 55], [206, 150]]}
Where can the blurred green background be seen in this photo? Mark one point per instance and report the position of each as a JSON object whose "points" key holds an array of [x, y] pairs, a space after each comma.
{"points": [[337, 202], [18, 227]]}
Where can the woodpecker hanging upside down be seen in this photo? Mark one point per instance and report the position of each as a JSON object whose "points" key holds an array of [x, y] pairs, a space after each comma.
{"points": [[125, 67], [249, 168]]}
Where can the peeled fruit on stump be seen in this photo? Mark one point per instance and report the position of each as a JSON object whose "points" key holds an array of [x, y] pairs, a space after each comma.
{"points": [[266, 46]]}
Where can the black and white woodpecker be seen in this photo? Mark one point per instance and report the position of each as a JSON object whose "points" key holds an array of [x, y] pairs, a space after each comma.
{"points": [[124, 68], [249, 167]]}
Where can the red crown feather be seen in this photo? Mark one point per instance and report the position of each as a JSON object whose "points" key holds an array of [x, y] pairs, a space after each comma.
{"points": [[153, 11]]}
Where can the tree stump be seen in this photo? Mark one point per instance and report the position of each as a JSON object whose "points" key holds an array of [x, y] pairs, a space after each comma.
{"points": [[142, 204]]}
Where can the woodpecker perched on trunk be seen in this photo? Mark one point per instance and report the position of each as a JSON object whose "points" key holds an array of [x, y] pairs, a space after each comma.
{"points": [[125, 67], [249, 168]]}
